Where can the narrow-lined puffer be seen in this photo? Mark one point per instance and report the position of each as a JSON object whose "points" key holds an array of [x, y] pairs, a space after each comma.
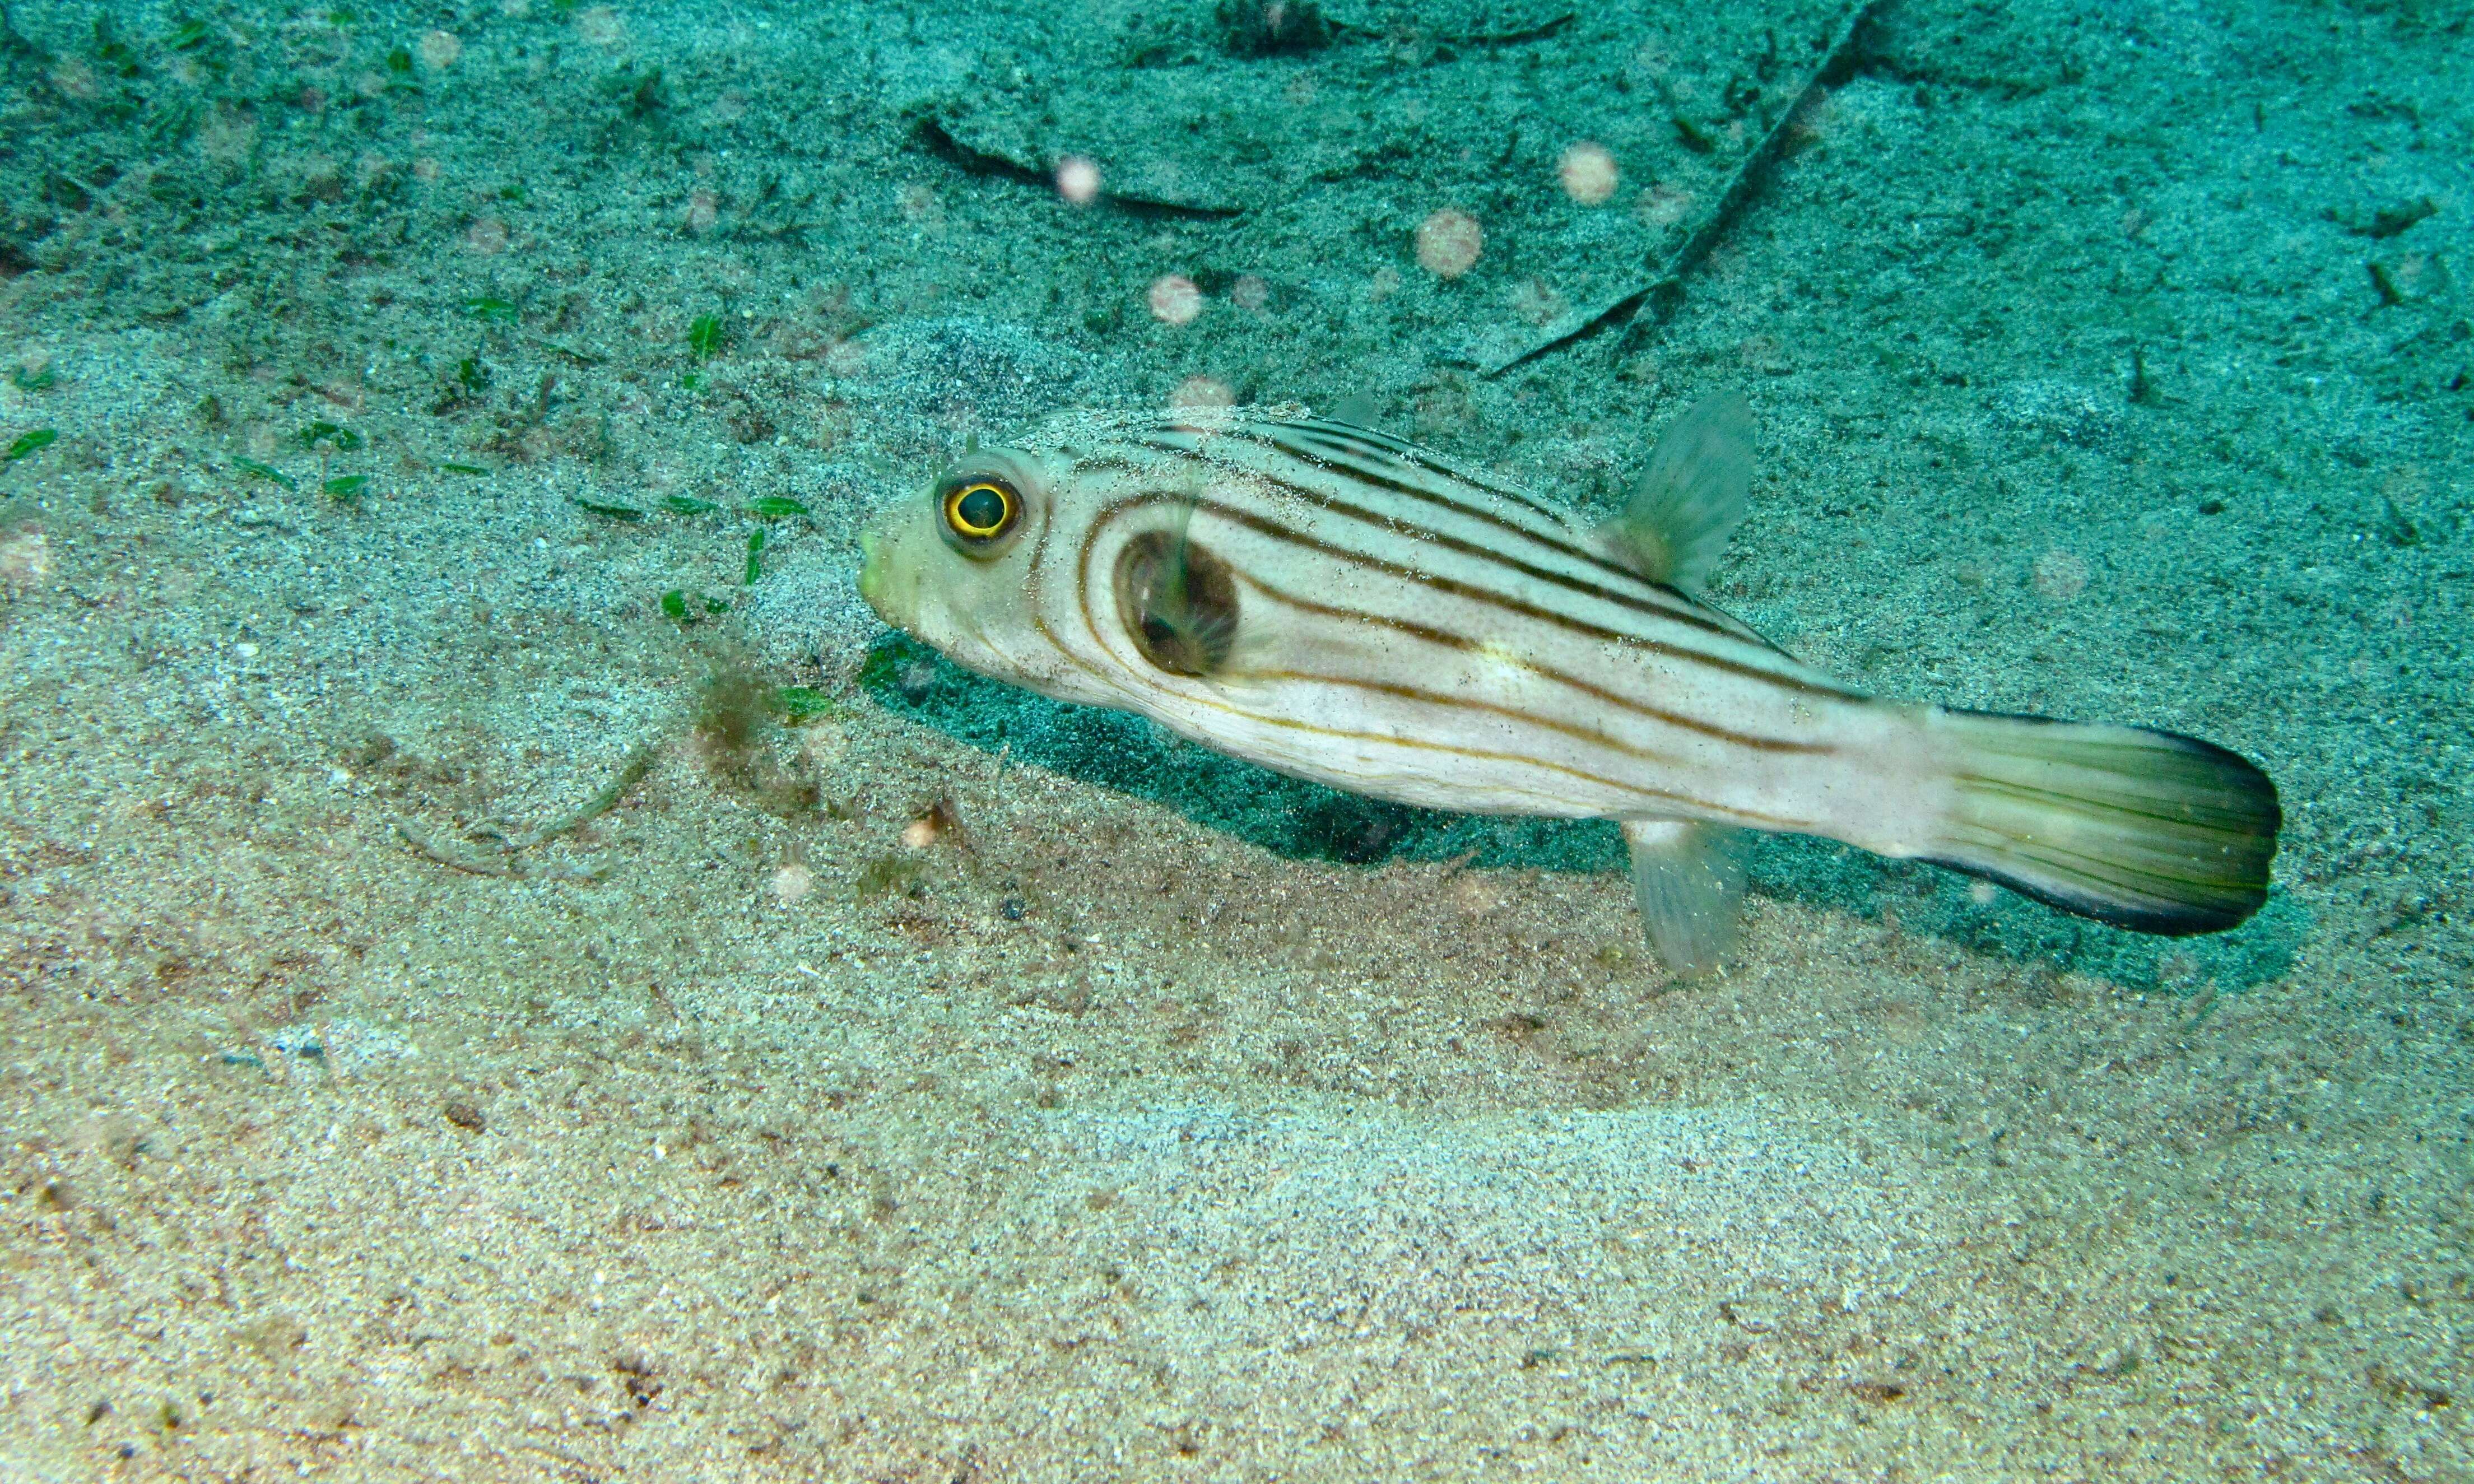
{"points": [[1342, 606]]}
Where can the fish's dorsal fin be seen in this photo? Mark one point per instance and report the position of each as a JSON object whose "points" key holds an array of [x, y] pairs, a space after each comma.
{"points": [[1691, 497]]}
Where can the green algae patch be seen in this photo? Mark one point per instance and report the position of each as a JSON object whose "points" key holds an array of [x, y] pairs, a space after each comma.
{"points": [[804, 704], [266, 472], [34, 441], [332, 435], [683, 607], [887, 874]]}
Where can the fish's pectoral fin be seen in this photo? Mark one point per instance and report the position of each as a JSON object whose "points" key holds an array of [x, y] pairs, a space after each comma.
{"points": [[1177, 600], [1689, 877], [1692, 496]]}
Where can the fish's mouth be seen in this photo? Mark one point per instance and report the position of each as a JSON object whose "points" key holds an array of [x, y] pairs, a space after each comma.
{"points": [[874, 578]]}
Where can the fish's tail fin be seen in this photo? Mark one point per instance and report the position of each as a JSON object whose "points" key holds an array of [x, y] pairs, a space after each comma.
{"points": [[2145, 830]]}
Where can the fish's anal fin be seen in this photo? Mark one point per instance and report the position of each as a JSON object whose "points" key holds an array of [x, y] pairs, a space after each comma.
{"points": [[1688, 878], [1692, 496]]}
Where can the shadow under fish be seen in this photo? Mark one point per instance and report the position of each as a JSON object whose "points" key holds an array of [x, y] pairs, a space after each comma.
{"points": [[1306, 821]]}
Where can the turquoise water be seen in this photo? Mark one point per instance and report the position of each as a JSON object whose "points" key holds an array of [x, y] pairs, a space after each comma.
{"points": [[510, 971]]}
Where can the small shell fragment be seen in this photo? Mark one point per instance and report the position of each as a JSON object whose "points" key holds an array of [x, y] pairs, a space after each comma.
{"points": [[793, 883], [931, 826]]}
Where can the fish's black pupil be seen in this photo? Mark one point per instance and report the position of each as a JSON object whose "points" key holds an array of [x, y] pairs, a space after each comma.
{"points": [[980, 511]]}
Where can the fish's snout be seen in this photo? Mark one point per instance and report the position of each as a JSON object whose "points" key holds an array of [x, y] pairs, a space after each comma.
{"points": [[892, 581], [875, 579]]}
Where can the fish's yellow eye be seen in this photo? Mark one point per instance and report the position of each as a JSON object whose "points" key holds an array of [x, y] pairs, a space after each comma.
{"points": [[979, 512]]}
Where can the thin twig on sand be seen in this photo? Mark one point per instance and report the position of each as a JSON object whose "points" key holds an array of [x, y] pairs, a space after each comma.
{"points": [[1653, 300], [630, 774], [426, 846]]}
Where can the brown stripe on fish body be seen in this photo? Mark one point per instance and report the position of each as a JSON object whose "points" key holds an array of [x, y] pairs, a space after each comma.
{"points": [[1602, 746], [1443, 485], [1373, 445], [1419, 473], [1250, 439], [1522, 527], [1380, 451], [1455, 489], [1378, 737], [1366, 517], [1385, 747], [1424, 572], [1581, 703], [1469, 521], [1410, 556], [1626, 592], [1628, 737], [1353, 722], [1497, 653], [1497, 755]]}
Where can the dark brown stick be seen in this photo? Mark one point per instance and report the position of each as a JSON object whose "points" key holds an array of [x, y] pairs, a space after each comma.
{"points": [[1662, 292]]}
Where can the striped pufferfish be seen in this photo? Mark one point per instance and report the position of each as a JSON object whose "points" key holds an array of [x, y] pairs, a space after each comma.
{"points": [[1345, 607]]}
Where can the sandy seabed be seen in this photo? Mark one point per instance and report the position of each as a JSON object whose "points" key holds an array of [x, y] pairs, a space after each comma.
{"points": [[2112, 361]]}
